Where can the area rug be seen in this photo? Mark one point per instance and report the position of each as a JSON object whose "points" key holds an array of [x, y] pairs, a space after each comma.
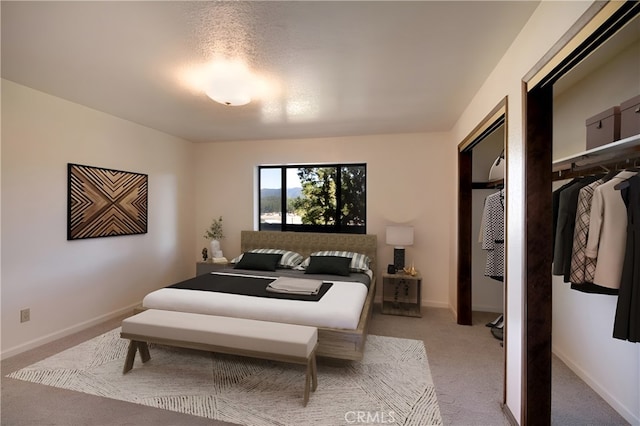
{"points": [[391, 385]]}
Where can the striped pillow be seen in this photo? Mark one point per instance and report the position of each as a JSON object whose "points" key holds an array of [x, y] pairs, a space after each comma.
{"points": [[359, 262], [289, 259]]}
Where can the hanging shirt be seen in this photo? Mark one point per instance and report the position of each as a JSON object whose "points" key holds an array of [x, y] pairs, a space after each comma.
{"points": [[608, 232], [568, 204], [627, 319], [493, 236], [583, 268], [556, 207]]}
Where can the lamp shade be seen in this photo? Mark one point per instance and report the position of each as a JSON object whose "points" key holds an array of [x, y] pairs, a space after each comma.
{"points": [[399, 236]]}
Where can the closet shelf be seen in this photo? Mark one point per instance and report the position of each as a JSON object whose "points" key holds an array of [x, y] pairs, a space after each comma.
{"points": [[499, 183], [622, 150]]}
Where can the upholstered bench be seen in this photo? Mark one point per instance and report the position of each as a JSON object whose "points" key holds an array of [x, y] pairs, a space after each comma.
{"points": [[237, 336]]}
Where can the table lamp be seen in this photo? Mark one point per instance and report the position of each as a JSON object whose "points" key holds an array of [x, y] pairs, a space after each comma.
{"points": [[399, 237]]}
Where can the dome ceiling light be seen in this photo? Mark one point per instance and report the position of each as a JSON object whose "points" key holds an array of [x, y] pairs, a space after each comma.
{"points": [[230, 82], [224, 34]]}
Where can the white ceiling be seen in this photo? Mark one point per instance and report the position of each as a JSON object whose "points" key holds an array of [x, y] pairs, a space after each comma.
{"points": [[343, 68]]}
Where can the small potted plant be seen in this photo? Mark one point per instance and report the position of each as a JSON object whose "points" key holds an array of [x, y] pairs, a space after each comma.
{"points": [[215, 234]]}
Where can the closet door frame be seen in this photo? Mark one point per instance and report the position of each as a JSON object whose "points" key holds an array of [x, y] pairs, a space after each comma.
{"points": [[596, 25], [465, 171], [465, 217]]}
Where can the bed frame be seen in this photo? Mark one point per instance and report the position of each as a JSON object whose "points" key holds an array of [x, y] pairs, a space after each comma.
{"points": [[336, 343]]}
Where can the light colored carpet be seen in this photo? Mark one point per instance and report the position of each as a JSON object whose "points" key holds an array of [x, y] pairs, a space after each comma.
{"points": [[391, 384]]}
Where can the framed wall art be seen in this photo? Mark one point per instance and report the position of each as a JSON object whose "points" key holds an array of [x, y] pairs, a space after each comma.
{"points": [[105, 202]]}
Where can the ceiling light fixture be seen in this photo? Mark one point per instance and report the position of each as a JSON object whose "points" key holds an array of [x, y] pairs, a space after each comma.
{"points": [[230, 82]]}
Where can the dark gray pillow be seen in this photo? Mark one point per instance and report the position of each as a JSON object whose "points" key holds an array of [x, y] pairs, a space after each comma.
{"points": [[259, 261], [333, 265]]}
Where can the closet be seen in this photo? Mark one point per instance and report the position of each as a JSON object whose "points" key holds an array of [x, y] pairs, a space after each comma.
{"points": [[595, 68], [583, 323], [479, 177], [488, 206], [476, 154]]}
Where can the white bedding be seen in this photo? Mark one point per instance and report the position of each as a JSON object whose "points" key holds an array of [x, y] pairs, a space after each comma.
{"points": [[340, 307]]}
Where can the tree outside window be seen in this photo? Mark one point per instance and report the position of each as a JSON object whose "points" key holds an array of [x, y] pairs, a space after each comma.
{"points": [[318, 198]]}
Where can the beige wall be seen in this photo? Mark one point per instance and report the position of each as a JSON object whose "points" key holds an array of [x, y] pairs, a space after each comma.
{"points": [[408, 181], [69, 285]]}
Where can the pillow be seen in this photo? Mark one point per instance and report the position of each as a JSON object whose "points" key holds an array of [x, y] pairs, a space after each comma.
{"points": [[289, 259], [333, 265], [259, 261], [359, 262]]}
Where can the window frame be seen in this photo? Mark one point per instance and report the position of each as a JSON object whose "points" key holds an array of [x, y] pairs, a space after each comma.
{"points": [[336, 228]]}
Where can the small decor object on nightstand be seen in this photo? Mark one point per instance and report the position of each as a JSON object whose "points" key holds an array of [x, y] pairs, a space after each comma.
{"points": [[215, 234], [205, 254], [411, 271]]}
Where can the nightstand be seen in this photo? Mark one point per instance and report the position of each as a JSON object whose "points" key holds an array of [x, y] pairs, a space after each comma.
{"points": [[402, 294], [208, 266]]}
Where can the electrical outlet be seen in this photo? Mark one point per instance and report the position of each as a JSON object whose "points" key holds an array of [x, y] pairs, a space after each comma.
{"points": [[25, 315]]}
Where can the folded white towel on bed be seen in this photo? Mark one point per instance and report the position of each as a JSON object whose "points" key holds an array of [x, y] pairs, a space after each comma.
{"points": [[295, 286]]}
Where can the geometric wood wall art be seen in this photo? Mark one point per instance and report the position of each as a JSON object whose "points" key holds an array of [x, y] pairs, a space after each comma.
{"points": [[104, 202]]}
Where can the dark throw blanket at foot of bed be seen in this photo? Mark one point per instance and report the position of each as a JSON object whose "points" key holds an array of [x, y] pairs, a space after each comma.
{"points": [[245, 285]]}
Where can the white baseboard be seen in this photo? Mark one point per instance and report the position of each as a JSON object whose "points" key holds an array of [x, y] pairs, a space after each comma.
{"points": [[432, 304], [65, 332], [453, 310], [632, 418]]}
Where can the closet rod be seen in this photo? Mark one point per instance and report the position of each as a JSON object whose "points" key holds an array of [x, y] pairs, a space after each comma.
{"points": [[499, 183], [614, 151], [622, 161]]}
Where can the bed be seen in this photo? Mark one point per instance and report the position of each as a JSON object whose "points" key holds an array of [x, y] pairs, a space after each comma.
{"points": [[342, 314]]}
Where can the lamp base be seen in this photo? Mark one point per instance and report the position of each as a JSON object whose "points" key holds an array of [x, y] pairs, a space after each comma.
{"points": [[398, 258]]}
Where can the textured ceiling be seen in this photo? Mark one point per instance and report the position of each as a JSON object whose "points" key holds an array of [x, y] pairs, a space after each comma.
{"points": [[340, 68]]}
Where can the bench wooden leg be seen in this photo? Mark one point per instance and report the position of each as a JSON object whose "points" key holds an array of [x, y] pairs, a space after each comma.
{"points": [[311, 379], [144, 351], [131, 355], [314, 372], [134, 346], [307, 383]]}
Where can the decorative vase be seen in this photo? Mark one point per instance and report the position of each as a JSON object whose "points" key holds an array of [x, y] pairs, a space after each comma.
{"points": [[215, 249]]}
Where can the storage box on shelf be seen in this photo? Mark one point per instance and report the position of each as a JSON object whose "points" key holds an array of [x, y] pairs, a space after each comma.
{"points": [[603, 128], [630, 117]]}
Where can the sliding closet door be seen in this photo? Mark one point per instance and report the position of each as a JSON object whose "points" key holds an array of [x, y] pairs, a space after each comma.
{"points": [[465, 161], [539, 237]]}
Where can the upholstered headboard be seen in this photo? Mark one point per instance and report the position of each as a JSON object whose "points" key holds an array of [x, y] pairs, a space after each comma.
{"points": [[306, 243]]}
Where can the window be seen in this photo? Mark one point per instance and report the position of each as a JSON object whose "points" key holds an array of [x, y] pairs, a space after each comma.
{"points": [[314, 198]]}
